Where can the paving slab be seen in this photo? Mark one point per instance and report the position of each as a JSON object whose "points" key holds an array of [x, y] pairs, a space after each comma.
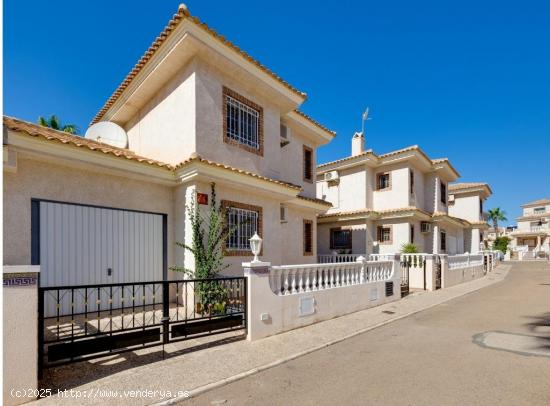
{"points": [[146, 378]]}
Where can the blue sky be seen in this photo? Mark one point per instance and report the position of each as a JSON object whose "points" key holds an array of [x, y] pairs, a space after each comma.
{"points": [[465, 80]]}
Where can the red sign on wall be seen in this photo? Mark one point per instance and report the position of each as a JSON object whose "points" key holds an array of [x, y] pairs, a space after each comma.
{"points": [[202, 198]]}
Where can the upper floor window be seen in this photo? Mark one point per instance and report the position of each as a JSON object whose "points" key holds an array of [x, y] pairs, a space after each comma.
{"points": [[308, 237], [412, 233], [538, 210], [411, 181], [480, 206], [340, 239], [383, 181], [243, 221], [243, 122], [308, 164], [443, 193]]}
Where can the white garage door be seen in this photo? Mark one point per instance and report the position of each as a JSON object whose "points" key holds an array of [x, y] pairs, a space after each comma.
{"points": [[81, 245]]}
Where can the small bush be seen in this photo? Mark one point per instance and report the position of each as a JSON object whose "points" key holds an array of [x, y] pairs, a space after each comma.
{"points": [[409, 248], [501, 244]]}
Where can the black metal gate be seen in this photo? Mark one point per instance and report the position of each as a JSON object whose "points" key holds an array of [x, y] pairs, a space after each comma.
{"points": [[437, 260], [405, 266], [77, 323]]}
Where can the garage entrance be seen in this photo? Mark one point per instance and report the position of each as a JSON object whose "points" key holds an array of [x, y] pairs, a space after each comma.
{"points": [[77, 244]]}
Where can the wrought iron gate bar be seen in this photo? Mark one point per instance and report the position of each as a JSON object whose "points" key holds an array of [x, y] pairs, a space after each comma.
{"points": [[99, 320]]}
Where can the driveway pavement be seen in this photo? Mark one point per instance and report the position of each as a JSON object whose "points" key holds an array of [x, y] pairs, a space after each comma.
{"points": [[482, 348]]}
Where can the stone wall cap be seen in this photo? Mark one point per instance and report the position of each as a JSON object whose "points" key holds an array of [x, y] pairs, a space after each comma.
{"points": [[21, 269]]}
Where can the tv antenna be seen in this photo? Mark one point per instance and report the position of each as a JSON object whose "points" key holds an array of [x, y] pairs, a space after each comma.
{"points": [[365, 117]]}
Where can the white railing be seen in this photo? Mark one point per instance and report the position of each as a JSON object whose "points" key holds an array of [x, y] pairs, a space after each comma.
{"points": [[413, 260], [381, 257], [336, 258], [293, 279], [536, 228], [464, 261]]}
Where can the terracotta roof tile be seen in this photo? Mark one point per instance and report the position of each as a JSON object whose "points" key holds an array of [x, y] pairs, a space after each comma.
{"points": [[537, 202], [322, 127], [375, 212], [36, 130], [181, 15], [465, 185], [198, 158], [315, 200]]}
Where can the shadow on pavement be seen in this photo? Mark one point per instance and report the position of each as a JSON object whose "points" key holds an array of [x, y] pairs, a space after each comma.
{"points": [[73, 375], [540, 325]]}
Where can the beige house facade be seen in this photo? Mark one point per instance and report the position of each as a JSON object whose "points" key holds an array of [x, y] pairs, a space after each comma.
{"points": [[466, 201], [380, 202], [197, 110], [531, 239]]}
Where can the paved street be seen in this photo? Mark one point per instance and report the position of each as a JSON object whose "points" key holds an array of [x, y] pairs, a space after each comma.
{"points": [[452, 354]]}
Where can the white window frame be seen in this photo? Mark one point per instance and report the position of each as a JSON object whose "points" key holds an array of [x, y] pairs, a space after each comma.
{"points": [[243, 123], [243, 231]]}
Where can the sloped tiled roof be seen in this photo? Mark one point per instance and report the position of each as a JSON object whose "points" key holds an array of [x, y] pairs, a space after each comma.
{"points": [[374, 212], [537, 202], [465, 185], [315, 200], [314, 122], [35, 130], [198, 158], [182, 14]]}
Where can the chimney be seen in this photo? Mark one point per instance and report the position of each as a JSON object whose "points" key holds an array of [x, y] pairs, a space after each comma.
{"points": [[357, 144]]}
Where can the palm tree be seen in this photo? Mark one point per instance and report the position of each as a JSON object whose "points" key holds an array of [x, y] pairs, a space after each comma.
{"points": [[496, 215], [54, 123]]}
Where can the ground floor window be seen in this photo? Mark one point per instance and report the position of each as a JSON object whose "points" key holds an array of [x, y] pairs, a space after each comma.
{"points": [[243, 221], [384, 234], [340, 239], [308, 237], [443, 241], [412, 233]]}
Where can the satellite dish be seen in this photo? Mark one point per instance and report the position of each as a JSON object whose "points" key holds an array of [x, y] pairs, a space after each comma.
{"points": [[108, 133]]}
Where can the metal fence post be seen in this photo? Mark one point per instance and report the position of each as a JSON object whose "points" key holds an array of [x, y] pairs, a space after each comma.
{"points": [[166, 312], [40, 332]]}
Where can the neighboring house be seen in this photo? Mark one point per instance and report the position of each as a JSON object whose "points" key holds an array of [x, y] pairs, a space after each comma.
{"points": [[196, 109], [532, 235], [466, 202], [380, 202]]}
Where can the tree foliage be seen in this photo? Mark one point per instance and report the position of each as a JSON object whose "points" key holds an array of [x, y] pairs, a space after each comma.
{"points": [[501, 244], [496, 215], [54, 123]]}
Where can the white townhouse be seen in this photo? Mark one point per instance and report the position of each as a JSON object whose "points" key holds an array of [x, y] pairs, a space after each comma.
{"points": [[466, 202], [532, 235], [195, 109], [380, 202]]}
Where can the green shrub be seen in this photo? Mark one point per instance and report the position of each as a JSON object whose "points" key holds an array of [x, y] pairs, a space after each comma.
{"points": [[409, 248], [501, 244]]}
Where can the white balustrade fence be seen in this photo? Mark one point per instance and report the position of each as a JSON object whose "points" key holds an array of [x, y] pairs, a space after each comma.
{"points": [[334, 258], [293, 279], [464, 261], [381, 257]]}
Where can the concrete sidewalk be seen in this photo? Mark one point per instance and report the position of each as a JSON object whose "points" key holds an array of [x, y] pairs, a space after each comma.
{"points": [[195, 372]]}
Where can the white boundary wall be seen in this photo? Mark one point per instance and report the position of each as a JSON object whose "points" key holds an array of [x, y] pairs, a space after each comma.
{"points": [[462, 268], [287, 297]]}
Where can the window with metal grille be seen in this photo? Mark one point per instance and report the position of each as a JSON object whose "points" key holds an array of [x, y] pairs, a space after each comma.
{"points": [[308, 164], [443, 241], [383, 181], [242, 123], [384, 234], [412, 233], [411, 182], [340, 239], [242, 225], [308, 237]]}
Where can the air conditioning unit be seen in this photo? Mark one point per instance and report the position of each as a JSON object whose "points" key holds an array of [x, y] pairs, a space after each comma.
{"points": [[451, 198], [425, 227], [285, 135], [331, 176]]}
